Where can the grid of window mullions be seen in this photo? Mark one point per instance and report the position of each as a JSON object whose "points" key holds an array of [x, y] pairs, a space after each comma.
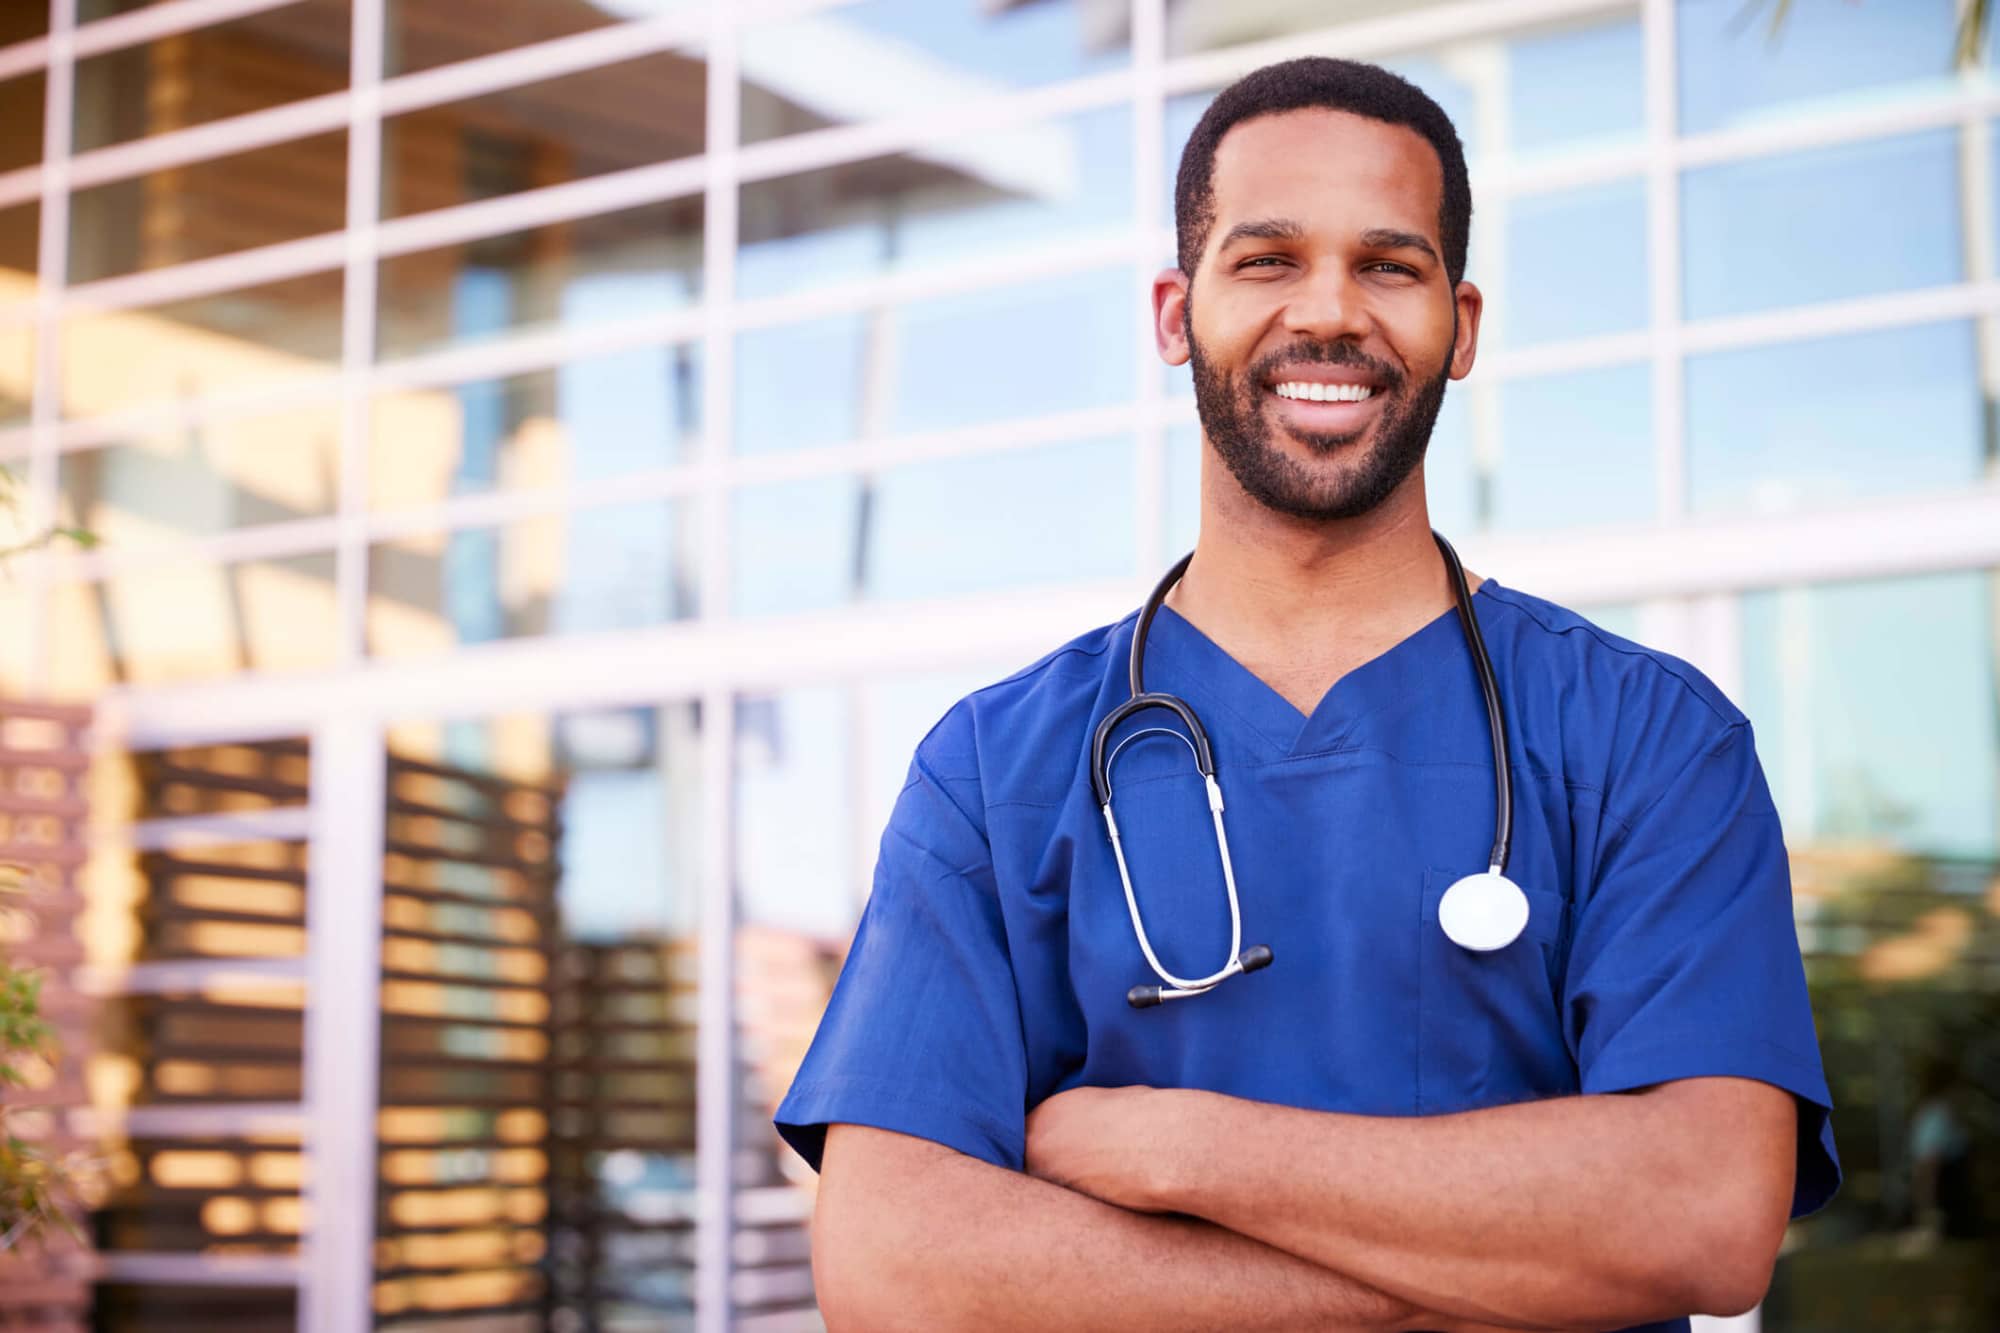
{"points": [[348, 716]]}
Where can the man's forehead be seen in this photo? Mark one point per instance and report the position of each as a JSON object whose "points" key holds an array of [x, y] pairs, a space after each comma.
{"points": [[1329, 157]]}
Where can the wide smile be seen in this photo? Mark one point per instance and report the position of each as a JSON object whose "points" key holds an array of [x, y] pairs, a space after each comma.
{"points": [[1325, 408]]}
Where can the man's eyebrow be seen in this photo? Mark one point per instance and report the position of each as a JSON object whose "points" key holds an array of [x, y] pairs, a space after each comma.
{"points": [[1388, 238], [1263, 229]]}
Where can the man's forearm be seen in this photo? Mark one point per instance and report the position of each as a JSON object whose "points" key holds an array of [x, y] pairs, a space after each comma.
{"points": [[968, 1245], [1579, 1209]]}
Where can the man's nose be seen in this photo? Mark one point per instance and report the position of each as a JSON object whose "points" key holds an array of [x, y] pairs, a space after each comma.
{"points": [[1329, 306]]}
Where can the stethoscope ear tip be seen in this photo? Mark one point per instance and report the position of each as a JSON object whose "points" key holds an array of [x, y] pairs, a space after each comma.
{"points": [[1254, 957], [1143, 997]]}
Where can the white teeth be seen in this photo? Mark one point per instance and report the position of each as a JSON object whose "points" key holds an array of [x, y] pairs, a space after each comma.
{"points": [[1324, 393]]}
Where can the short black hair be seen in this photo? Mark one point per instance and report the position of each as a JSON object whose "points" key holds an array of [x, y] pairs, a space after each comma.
{"points": [[1337, 85]]}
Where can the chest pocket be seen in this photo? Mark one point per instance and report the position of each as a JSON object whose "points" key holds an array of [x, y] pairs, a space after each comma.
{"points": [[1489, 1025]]}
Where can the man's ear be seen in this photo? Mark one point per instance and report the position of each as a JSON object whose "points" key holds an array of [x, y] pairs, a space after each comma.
{"points": [[1469, 304], [1170, 295]]}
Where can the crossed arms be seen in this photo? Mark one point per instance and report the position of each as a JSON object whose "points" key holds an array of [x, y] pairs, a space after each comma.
{"points": [[1145, 1208]]}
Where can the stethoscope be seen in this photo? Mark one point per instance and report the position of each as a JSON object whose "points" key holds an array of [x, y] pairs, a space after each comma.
{"points": [[1480, 912]]}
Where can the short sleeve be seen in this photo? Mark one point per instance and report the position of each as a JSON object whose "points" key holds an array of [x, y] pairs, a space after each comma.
{"points": [[1684, 960], [923, 1032]]}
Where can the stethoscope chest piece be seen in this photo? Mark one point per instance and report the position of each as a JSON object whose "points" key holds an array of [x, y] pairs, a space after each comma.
{"points": [[1483, 912]]}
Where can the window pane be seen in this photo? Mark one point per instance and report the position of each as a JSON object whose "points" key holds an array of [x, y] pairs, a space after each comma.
{"points": [[945, 527], [1877, 707], [630, 114], [22, 22], [280, 55], [1878, 710], [17, 351], [23, 110], [1025, 350], [424, 33], [574, 572], [631, 411], [1553, 240], [902, 57], [565, 275], [1202, 25], [194, 620], [20, 255], [210, 208], [1858, 416], [1183, 521], [1851, 220], [233, 473], [1459, 493], [1825, 57], [539, 994], [1575, 451], [980, 195], [235, 340], [1576, 87]]}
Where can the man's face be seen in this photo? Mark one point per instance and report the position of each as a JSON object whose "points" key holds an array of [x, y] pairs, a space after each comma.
{"points": [[1323, 275]]}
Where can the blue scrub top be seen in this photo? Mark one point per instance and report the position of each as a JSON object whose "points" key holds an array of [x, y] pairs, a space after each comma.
{"points": [[990, 966]]}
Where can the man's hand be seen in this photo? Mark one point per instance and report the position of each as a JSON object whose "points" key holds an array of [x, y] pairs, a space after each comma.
{"points": [[1102, 1142]]}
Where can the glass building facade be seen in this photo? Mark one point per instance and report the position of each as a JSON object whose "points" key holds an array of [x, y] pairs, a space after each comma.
{"points": [[552, 459]]}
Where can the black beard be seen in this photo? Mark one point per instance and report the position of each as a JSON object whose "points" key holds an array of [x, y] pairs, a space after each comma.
{"points": [[1234, 416]]}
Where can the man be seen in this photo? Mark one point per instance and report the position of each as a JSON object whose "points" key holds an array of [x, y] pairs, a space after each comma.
{"points": [[1604, 1124]]}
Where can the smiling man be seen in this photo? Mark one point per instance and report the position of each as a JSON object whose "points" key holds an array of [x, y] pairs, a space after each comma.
{"points": [[1597, 1114]]}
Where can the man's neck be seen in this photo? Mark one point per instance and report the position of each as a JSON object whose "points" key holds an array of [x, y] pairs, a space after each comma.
{"points": [[1305, 602]]}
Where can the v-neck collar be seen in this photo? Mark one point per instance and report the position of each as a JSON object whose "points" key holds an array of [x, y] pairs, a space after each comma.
{"points": [[1189, 662]]}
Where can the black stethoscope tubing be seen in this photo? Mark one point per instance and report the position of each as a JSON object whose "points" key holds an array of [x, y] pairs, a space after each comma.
{"points": [[1204, 755]]}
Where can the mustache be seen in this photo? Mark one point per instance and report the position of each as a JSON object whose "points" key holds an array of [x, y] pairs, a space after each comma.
{"points": [[1326, 354]]}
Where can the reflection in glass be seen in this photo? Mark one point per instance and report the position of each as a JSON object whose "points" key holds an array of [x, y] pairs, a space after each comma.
{"points": [[19, 228], [17, 368], [978, 195], [194, 620], [1877, 708], [228, 473], [234, 1043], [1446, 85], [1183, 517], [574, 572], [210, 208], [1559, 245], [906, 57], [240, 340], [937, 528], [1024, 350], [282, 54], [1207, 25], [572, 127], [797, 904], [1576, 87], [1850, 220], [20, 23], [1825, 57], [426, 33], [16, 647], [1457, 490], [23, 109], [1576, 450], [1861, 415], [630, 411], [539, 983], [613, 266]]}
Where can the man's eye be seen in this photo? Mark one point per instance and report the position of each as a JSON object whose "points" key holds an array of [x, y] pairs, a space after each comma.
{"points": [[1391, 264], [1259, 259]]}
